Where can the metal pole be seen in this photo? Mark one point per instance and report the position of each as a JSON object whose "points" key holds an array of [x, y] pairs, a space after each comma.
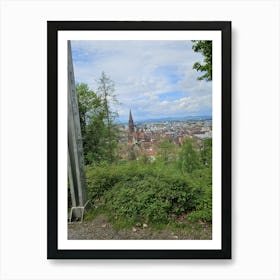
{"points": [[76, 173]]}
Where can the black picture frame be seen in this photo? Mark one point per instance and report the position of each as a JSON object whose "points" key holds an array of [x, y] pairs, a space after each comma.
{"points": [[53, 27]]}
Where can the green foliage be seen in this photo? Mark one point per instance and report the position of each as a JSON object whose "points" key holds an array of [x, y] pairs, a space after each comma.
{"points": [[103, 177], [89, 104], [205, 48], [106, 90], [167, 152], [100, 179], [189, 157], [99, 132], [94, 146], [92, 124], [150, 199], [202, 180], [152, 192], [204, 215], [206, 153]]}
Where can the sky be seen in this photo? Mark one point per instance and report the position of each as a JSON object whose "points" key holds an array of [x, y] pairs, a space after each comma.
{"points": [[153, 78]]}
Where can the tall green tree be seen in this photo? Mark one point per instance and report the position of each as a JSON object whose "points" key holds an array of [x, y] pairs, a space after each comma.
{"points": [[205, 48], [106, 90], [188, 157], [88, 103], [92, 125]]}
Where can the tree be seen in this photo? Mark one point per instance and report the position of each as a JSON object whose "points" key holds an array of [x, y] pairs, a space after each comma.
{"points": [[206, 152], [106, 90], [97, 118], [88, 103], [205, 48], [92, 124], [166, 152], [188, 157]]}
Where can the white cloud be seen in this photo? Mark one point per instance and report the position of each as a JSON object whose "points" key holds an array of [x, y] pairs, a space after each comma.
{"points": [[143, 71]]}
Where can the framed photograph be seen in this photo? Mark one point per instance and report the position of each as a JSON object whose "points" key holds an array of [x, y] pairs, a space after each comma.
{"points": [[139, 140]]}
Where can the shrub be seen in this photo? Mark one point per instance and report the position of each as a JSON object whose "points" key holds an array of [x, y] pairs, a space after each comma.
{"points": [[104, 177], [202, 180], [135, 192], [150, 199], [204, 215], [189, 157]]}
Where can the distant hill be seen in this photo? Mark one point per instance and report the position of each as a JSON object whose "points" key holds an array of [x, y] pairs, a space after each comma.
{"points": [[187, 118]]}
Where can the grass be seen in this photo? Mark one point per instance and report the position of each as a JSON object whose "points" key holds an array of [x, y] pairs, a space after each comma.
{"points": [[183, 229]]}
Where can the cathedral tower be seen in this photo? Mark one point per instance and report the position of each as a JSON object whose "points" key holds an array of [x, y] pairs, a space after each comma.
{"points": [[131, 128]]}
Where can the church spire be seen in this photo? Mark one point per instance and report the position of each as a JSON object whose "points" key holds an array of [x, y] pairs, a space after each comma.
{"points": [[131, 129], [130, 116]]}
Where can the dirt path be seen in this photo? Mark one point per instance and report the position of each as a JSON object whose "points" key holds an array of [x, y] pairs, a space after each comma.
{"points": [[100, 228]]}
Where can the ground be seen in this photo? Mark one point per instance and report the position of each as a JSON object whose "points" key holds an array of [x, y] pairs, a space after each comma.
{"points": [[100, 228]]}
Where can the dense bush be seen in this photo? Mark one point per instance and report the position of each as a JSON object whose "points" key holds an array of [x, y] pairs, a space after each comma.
{"points": [[150, 193], [149, 199], [202, 180], [104, 177]]}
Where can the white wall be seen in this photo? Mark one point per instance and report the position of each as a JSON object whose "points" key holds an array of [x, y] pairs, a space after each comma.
{"points": [[255, 150]]}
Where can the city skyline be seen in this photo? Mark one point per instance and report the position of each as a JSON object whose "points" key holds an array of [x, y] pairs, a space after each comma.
{"points": [[164, 119], [154, 79]]}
